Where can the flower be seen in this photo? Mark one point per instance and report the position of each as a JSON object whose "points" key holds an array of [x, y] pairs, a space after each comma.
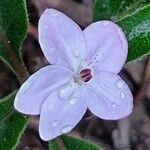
{"points": [[83, 75]]}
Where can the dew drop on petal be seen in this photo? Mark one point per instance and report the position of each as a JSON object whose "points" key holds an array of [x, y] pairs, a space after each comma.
{"points": [[66, 91], [54, 123], [122, 95], [61, 92], [119, 84], [66, 129], [64, 94], [113, 105], [72, 101]]}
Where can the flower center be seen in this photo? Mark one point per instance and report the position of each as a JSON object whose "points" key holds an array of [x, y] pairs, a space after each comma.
{"points": [[84, 76]]}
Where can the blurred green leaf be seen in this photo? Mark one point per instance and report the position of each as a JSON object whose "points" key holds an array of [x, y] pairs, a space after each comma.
{"points": [[73, 143], [136, 25], [12, 124], [13, 23], [116, 9]]}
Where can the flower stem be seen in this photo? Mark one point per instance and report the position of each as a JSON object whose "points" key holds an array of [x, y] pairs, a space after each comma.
{"points": [[17, 67]]}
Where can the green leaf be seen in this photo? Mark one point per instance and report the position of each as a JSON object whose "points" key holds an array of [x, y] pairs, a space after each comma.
{"points": [[53, 145], [73, 143], [13, 23], [136, 25], [12, 124], [116, 9], [137, 30]]}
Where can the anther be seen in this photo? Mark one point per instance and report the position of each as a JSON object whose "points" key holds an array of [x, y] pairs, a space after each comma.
{"points": [[86, 75]]}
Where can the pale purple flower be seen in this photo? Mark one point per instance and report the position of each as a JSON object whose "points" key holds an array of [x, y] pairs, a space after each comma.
{"points": [[83, 75]]}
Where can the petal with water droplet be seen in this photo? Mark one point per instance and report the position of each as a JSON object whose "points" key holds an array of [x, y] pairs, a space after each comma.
{"points": [[67, 115], [68, 90], [54, 123], [119, 84], [38, 86], [62, 40], [107, 46], [106, 100]]}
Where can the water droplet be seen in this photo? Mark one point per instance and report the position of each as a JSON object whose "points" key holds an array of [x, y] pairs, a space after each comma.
{"points": [[61, 92], [54, 123], [76, 52], [122, 95], [119, 84], [66, 91], [51, 106], [113, 105], [73, 101], [66, 129], [105, 23]]}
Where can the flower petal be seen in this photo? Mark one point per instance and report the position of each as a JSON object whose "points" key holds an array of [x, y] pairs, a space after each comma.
{"points": [[107, 45], [58, 116], [109, 96], [61, 39], [36, 88]]}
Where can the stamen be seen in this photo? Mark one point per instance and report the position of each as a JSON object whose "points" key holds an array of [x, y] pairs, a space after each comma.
{"points": [[86, 75]]}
